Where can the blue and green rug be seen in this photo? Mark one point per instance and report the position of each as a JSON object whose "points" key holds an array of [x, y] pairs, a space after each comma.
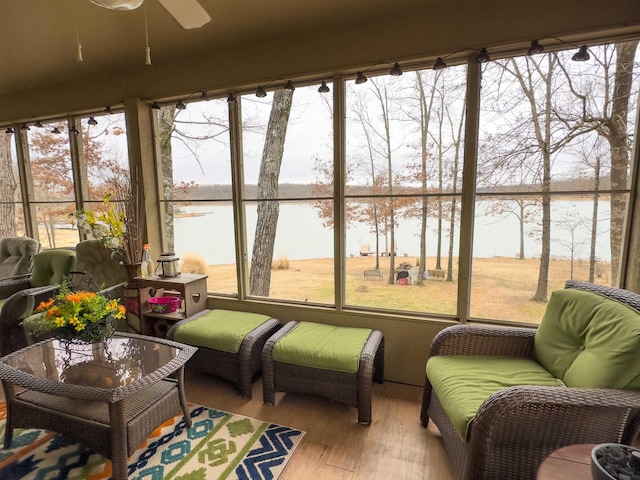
{"points": [[219, 446]]}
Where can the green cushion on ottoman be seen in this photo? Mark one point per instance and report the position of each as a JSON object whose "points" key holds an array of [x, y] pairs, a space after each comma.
{"points": [[322, 346], [219, 329]]}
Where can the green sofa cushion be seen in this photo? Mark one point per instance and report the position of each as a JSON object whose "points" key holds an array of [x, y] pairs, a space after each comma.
{"points": [[463, 382], [327, 347], [590, 341], [219, 329]]}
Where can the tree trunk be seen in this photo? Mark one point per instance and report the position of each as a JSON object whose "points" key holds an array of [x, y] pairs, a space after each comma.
{"points": [[268, 207], [618, 143], [165, 127], [544, 141], [8, 188], [594, 221], [521, 218], [452, 219], [425, 117]]}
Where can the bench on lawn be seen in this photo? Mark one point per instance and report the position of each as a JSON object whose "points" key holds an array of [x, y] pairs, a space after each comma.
{"points": [[372, 273], [436, 273]]}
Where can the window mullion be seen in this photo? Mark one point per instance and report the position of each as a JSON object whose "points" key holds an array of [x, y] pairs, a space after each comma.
{"points": [[339, 180], [472, 119]]}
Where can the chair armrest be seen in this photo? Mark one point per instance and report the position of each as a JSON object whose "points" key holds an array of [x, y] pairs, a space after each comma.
{"points": [[14, 311], [476, 340], [543, 419], [114, 291], [11, 285]]}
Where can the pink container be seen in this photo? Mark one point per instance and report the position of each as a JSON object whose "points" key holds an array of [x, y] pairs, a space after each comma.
{"points": [[164, 304]]}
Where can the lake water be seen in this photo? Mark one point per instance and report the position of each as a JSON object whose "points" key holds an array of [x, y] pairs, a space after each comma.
{"points": [[301, 233]]}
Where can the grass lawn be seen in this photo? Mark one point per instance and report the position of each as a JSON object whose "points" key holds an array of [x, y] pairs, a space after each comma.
{"points": [[502, 288]]}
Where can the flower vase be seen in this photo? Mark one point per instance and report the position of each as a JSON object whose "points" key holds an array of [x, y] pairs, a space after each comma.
{"points": [[133, 270]]}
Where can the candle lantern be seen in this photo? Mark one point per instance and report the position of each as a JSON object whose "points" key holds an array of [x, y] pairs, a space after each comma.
{"points": [[168, 264]]}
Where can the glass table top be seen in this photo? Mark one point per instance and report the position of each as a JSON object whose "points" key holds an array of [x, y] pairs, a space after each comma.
{"points": [[119, 361]]}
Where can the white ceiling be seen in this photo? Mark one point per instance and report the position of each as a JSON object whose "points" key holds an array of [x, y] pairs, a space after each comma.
{"points": [[38, 37]]}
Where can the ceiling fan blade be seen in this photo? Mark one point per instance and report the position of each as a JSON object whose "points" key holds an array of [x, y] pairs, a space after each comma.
{"points": [[118, 4], [188, 13]]}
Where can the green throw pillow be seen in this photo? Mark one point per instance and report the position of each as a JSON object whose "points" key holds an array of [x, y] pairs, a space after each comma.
{"points": [[590, 341]]}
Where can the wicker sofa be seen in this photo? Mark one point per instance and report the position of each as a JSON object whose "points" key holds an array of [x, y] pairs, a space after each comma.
{"points": [[517, 426]]}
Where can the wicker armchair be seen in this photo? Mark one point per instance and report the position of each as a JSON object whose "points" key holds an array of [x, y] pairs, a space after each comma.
{"points": [[16, 262], [49, 269], [516, 428]]}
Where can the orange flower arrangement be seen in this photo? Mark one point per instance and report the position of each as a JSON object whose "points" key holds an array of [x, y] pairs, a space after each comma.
{"points": [[78, 315]]}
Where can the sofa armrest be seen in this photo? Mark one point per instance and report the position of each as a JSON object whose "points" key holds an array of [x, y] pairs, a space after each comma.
{"points": [[543, 419], [11, 285], [14, 310], [476, 340]]}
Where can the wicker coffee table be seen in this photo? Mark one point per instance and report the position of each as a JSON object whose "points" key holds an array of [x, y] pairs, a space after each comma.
{"points": [[109, 396]]}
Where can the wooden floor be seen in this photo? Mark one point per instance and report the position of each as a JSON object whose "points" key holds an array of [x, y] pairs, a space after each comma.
{"points": [[336, 447]]}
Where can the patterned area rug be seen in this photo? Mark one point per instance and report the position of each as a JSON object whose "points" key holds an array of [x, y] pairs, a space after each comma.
{"points": [[219, 445]]}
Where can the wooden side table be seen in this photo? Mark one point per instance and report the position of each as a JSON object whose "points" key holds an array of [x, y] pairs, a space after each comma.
{"points": [[567, 463], [190, 287]]}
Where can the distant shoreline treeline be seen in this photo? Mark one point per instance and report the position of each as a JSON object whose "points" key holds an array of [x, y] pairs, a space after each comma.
{"points": [[300, 190]]}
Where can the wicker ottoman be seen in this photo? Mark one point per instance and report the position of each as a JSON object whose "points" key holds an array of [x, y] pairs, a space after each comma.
{"points": [[229, 344], [352, 388]]}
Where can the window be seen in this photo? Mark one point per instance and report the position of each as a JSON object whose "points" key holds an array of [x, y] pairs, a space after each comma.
{"points": [[553, 177], [53, 192], [403, 185], [553, 181], [197, 192], [103, 153], [61, 185], [286, 140]]}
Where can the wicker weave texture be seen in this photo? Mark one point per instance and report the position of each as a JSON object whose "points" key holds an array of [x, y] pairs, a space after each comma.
{"points": [[353, 389], [238, 368], [516, 428]]}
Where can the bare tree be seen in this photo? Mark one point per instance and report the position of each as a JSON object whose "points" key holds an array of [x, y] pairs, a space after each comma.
{"points": [[268, 207], [593, 160], [615, 129], [537, 136], [457, 138], [166, 127], [603, 105], [424, 120]]}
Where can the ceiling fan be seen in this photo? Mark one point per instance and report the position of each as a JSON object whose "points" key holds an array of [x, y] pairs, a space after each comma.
{"points": [[188, 13]]}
